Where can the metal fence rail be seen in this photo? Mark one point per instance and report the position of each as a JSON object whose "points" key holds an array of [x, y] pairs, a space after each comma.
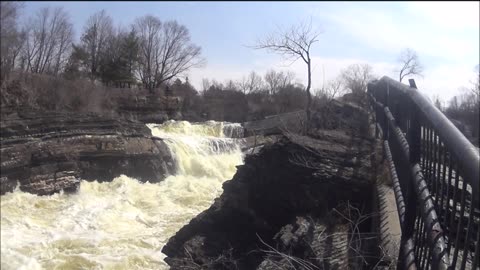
{"points": [[437, 179]]}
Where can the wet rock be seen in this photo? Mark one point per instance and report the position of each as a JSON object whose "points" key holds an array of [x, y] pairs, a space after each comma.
{"points": [[45, 152], [281, 200], [276, 124], [233, 130]]}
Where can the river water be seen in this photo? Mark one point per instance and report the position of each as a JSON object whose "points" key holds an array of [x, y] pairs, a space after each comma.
{"points": [[122, 224]]}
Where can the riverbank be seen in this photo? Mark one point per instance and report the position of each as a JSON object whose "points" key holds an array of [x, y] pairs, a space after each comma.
{"points": [[302, 202]]}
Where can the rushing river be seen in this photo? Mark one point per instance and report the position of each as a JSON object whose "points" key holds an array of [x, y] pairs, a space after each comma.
{"points": [[122, 224]]}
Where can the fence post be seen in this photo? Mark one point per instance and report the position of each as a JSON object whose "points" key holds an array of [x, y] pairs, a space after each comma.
{"points": [[412, 83], [386, 131], [414, 143], [415, 133], [413, 138]]}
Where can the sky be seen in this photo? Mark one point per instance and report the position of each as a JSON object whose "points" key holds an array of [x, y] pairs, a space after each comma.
{"points": [[444, 34]]}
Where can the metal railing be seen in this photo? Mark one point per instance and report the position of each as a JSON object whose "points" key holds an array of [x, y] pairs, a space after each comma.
{"points": [[435, 173]]}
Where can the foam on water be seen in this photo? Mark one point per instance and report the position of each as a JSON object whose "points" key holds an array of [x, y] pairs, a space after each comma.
{"points": [[121, 224]]}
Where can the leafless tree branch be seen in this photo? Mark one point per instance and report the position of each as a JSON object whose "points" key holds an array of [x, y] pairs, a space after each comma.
{"points": [[293, 44], [410, 64], [166, 50]]}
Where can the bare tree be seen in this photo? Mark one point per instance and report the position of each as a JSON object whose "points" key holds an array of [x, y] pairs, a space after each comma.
{"points": [[410, 64], [205, 84], [177, 53], [333, 89], [465, 108], [287, 79], [8, 16], [98, 30], [355, 77], [230, 85], [277, 80], [64, 41], [272, 79], [294, 44], [148, 29], [11, 38], [14, 57], [166, 50], [453, 104], [211, 85], [251, 84], [475, 88], [48, 37], [437, 101]]}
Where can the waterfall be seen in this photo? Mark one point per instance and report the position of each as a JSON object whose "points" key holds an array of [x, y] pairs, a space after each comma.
{"points": [[122, 224], [233, 130]]}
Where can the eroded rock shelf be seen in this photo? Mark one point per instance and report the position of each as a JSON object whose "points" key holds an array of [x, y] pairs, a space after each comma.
{"points": [[47, 152]]}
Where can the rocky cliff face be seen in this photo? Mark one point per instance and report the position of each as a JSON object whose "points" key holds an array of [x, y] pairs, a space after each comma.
{"points": [[299, 203], [46, 152], [147, 108]]}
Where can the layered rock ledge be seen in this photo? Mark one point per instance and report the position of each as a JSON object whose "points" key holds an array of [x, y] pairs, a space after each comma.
{"points": [[45, 152]]}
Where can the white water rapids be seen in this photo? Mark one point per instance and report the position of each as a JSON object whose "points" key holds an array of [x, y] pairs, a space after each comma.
{"points": [[121, 224]]}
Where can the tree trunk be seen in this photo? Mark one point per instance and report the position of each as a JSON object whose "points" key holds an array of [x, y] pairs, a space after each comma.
{"points": [[309, 96]]}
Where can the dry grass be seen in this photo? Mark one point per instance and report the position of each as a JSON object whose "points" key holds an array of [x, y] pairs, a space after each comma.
{"points": [[223, 261], [325, 259], [286, 261], [44, 92]]}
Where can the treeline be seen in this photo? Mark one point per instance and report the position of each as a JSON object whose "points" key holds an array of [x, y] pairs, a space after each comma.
{"points": [[148, 54], [149, 49], [466, 109], [255, 96], [250, 98]]}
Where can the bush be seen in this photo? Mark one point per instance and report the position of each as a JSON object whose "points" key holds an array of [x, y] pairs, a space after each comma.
{"points": [[44, 92]]}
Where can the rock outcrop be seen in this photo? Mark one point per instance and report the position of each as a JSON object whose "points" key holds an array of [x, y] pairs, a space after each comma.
{"points": [[148, 108], [45, 152], [299, 202]]}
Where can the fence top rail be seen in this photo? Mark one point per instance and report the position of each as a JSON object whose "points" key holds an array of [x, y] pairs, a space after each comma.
{"points": [[466, 153]]}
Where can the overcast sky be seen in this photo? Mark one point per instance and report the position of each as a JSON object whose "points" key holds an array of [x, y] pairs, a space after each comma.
{"points": [[444, 34]]}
